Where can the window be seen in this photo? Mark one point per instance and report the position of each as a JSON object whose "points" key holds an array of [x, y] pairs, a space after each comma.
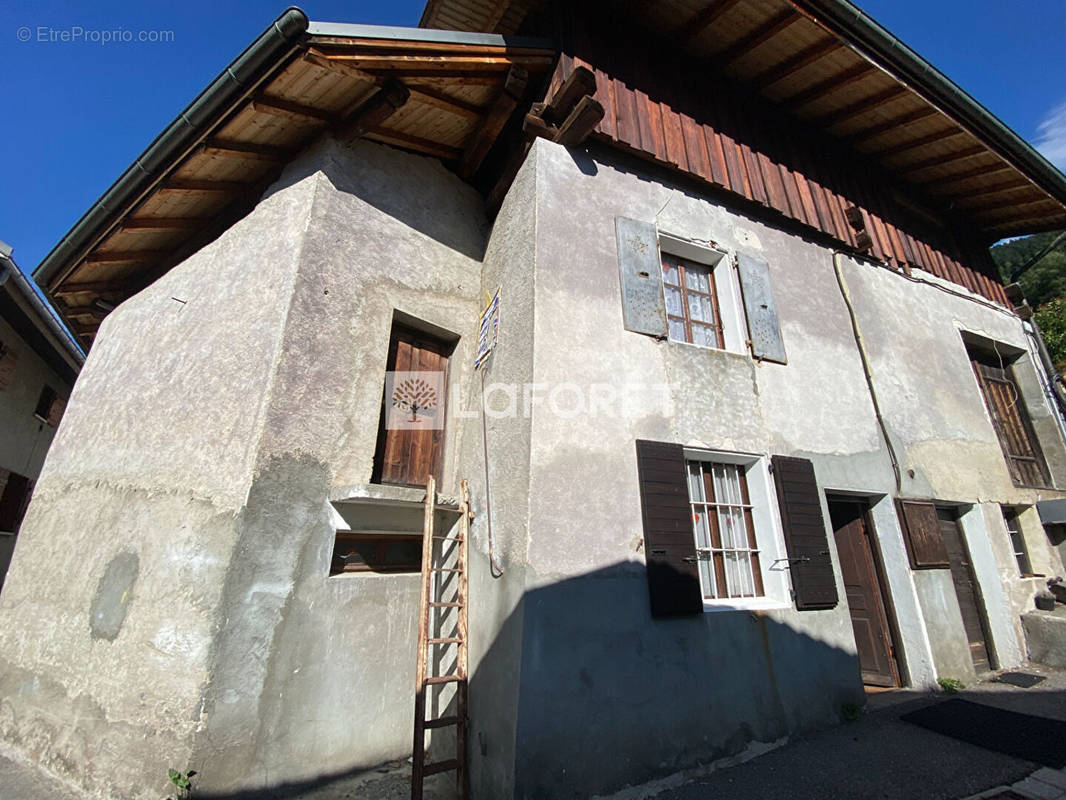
{"points": [[1017, 541], [692, 302], [15, 493], [376, 552], [723, 523], [1010, 418]]}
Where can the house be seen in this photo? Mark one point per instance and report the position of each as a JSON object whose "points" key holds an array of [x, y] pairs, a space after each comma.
{"points": [[38, 364], [755, 424]]}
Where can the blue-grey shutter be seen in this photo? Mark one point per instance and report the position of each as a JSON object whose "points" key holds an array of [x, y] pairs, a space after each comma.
{"points": [[763, 328], [643, 305]]}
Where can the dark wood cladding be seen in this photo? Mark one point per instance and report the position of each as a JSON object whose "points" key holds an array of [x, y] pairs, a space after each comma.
{"points": [[708, 127]]}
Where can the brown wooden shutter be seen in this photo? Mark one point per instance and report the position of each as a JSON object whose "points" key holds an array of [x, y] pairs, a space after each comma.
{"points": [[921, 534], [805, 536], [669, 542]]}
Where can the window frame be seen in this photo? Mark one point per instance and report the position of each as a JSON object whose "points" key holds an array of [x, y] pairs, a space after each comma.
{"points": [[686, 267], [766, 528], [727, 303]]}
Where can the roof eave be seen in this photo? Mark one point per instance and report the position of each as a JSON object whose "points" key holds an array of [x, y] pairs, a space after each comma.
{"points": [[257, 61], [892, 55]]}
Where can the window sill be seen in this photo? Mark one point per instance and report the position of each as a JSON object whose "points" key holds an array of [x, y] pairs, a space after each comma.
{"points": [[745, 604], [707, 348]]}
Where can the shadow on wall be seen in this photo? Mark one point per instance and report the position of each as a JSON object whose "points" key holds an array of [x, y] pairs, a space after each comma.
{"points": [[415, 190], [607, 696]]}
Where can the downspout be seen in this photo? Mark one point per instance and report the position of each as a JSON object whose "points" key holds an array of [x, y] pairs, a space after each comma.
{"points": [[867, 370]]}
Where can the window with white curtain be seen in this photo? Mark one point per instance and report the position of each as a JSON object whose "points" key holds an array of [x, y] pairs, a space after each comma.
{"points": [[724, 527]]}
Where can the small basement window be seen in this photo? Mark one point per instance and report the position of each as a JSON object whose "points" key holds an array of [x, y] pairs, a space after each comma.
{"points": [[380, 552]]}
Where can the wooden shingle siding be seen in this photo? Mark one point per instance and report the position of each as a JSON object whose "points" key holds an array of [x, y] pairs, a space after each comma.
{"points": [[706, 128], [669, 542], [810, 564]]}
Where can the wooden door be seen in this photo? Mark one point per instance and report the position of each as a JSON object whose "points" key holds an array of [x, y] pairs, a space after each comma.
{"points": [[862, 587], [408, 456], [965, 588]]}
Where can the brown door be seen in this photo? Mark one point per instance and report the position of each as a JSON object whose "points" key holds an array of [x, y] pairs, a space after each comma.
{"points": [[409, 455], [862, 587], [965, 588]]}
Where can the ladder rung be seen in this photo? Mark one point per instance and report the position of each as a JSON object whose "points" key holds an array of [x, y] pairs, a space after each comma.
{"points": [[443, 679], [448, 538], [445, 605], [446, 569], [440, 766], [448, 640], [443, 722]]}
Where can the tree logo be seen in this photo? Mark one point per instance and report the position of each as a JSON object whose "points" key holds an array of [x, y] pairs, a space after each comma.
{"points": [[414, 400]]}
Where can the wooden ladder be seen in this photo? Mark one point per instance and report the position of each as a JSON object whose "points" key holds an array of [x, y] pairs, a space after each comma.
{"points": [[443, 602]]}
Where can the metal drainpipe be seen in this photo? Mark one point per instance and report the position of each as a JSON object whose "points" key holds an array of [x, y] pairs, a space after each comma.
{"points": [[867, 371]]}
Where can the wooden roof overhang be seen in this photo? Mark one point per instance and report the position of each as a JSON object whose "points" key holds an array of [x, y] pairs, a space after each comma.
{"points": [[432, 93], [828, 64]]}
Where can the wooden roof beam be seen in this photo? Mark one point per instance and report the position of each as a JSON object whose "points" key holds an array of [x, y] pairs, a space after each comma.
{"points": [[122, 256], [938, 161], [582, 121], [416, 143], [760, 35], [299, 112], [982, 171], [424, 94], [914, 144], [479, 145], [996, 188], [372, 113], [92, 287], [834, 82], [434, 65], [874, 131], [187, 185], [859, 107], [162, 223], [580, 82], [250, 151], [791, 66], [688, 31]]}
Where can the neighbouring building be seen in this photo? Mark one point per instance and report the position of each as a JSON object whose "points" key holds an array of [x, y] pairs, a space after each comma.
{"points": [[38, 365], [761, 425]]}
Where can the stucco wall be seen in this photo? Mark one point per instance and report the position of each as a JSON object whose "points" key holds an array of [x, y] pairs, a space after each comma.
{"points": [[590, 650], [217, 413]]}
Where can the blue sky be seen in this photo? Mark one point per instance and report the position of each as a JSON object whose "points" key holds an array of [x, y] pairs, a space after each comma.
{"points": [[76, 114]]}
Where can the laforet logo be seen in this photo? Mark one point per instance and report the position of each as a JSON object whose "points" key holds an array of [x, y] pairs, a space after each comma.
{"points": [[415, 395], [415, 400]]}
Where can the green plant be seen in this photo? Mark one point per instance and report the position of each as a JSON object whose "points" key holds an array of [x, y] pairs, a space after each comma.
{"points": [[851, 711], [950, 685], [183, 781]]}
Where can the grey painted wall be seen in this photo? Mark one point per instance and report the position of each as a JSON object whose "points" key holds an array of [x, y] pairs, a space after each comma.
{"points": [[594, 666]]}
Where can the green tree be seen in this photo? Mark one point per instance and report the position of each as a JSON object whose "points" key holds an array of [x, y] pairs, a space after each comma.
{"points": [[1051, 317], [1045, 280]]}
